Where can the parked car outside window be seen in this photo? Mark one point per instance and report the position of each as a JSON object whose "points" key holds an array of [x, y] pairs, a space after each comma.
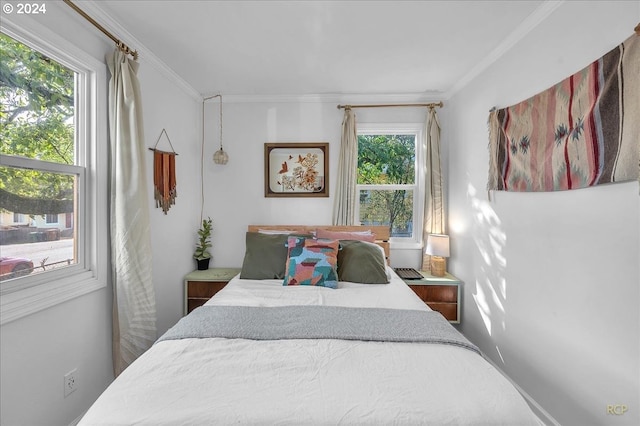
{"points": [[13, 267]]}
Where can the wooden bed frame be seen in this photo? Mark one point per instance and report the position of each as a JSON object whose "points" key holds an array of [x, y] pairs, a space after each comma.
{"points": [[381, 233]]}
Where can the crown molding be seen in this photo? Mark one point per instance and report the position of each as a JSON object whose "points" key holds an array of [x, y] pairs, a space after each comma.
{"points": [[532, 21], [93, 9], [350, 98]]}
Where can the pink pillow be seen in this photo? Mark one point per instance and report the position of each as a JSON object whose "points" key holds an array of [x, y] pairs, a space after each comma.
{"points": [[343, 235]]}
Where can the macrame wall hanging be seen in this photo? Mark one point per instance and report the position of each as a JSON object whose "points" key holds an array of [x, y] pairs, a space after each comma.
{"points": [[164, 175]]}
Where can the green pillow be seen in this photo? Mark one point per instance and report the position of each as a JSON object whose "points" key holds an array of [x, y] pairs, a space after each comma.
{"points": [[361, 262], [265, 256]]}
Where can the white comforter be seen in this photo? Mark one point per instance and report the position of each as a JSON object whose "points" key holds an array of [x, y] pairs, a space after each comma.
{"points": [[297, 382]]}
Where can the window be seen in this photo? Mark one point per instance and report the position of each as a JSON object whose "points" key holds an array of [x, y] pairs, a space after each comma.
{"points": [[51, 219], [389, 179], [40, 170], [52, 170]]}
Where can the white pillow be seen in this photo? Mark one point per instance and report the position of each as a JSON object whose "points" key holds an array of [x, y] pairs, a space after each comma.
{"points": [[276, 231]]}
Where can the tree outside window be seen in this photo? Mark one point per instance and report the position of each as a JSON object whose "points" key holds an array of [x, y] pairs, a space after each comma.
{"points": [[39, 171], [387, 181]]}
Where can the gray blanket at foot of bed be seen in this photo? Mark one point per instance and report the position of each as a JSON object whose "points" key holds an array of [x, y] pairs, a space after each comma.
{"points": [[317, 322]]}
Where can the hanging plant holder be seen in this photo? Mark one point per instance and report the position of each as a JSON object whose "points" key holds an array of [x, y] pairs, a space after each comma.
{"points": [[220, 156]]}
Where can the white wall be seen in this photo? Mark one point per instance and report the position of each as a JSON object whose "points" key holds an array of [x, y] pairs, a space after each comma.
{"points": [[551, 279], [36, 351], [235, 192], [173, 236]]}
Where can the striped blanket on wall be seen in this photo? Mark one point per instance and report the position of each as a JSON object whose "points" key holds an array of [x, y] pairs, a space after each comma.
{"points": [[584, 131]]}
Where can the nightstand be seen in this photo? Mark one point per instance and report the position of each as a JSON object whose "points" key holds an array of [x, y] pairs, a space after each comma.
{"points": [[200, 286], [442, 294]]}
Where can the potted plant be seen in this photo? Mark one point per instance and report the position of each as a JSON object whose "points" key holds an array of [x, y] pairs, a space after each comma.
{"points": [[202, 255]]}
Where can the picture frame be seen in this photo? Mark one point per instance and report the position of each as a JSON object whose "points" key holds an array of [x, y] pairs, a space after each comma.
{"points": [[299, 169]]}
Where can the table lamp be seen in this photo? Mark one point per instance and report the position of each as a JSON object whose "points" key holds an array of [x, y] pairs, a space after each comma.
{"points": [[438, 249]]}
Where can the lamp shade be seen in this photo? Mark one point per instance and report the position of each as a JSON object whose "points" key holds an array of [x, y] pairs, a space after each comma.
{"points": [[437, 245]]}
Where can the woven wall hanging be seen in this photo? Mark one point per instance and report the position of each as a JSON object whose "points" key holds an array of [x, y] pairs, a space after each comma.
{"points": [[164, 175], [583, 131]]}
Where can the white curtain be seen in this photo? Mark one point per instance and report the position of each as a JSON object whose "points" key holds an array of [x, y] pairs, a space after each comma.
{"points": [[434, 214], [134, 310], [346, 196]]}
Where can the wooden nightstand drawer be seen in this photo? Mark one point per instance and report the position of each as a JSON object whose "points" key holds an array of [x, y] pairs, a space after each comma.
{"points": [[199, 292], [441, 294], [448, 310], [206, 289], [195, 303], [436, 293], [200, 286]]}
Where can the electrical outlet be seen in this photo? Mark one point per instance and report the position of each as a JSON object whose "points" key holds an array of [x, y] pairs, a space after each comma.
{"points": [[70, 382]]}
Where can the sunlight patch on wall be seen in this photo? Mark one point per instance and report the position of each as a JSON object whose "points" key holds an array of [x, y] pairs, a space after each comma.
{"points": [[489, 304], [457, 225], [486, 218], [490, 240], [483, 307], [500, 355]]}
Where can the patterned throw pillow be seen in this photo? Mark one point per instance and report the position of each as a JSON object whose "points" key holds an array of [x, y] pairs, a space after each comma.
{"points": [[311, 262]]}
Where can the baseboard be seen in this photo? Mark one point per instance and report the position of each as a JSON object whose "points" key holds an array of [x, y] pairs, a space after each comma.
{"points": [[542, 414]]}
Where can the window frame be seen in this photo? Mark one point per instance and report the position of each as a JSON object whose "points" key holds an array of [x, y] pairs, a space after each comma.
{"points": [[417, 129], [33, 293]]}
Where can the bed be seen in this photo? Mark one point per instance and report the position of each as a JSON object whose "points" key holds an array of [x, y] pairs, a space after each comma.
{"points": [[260, 352]]}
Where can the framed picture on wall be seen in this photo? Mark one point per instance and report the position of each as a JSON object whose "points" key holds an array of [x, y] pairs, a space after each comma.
{"points": [[296, 169]]}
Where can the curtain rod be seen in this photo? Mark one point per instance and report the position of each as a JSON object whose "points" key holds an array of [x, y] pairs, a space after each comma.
{"points": [[428, 105], [126, 49]]}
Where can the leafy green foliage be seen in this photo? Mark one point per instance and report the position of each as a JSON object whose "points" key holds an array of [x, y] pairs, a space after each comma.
{"points": [[33, 85], [387, 160], [36, 121], [204, 240]]}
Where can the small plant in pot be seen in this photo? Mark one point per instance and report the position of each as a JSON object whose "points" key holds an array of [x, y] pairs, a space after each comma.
{"points": [[202, 255]]}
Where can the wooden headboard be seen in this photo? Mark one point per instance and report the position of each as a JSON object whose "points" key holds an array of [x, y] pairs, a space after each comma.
{"points": [[381, 233]]}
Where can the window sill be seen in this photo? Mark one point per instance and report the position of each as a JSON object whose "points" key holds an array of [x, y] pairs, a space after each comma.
{"points": [[20, 303], [405, 246]]}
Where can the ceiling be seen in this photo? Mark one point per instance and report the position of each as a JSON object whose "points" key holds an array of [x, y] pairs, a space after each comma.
{"points": [[323, 47]]}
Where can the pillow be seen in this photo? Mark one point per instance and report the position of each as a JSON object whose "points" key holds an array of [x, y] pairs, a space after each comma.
{"points": [[265, 256], [311, 262], [276, 231], [343, 235], [362, 262]]}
